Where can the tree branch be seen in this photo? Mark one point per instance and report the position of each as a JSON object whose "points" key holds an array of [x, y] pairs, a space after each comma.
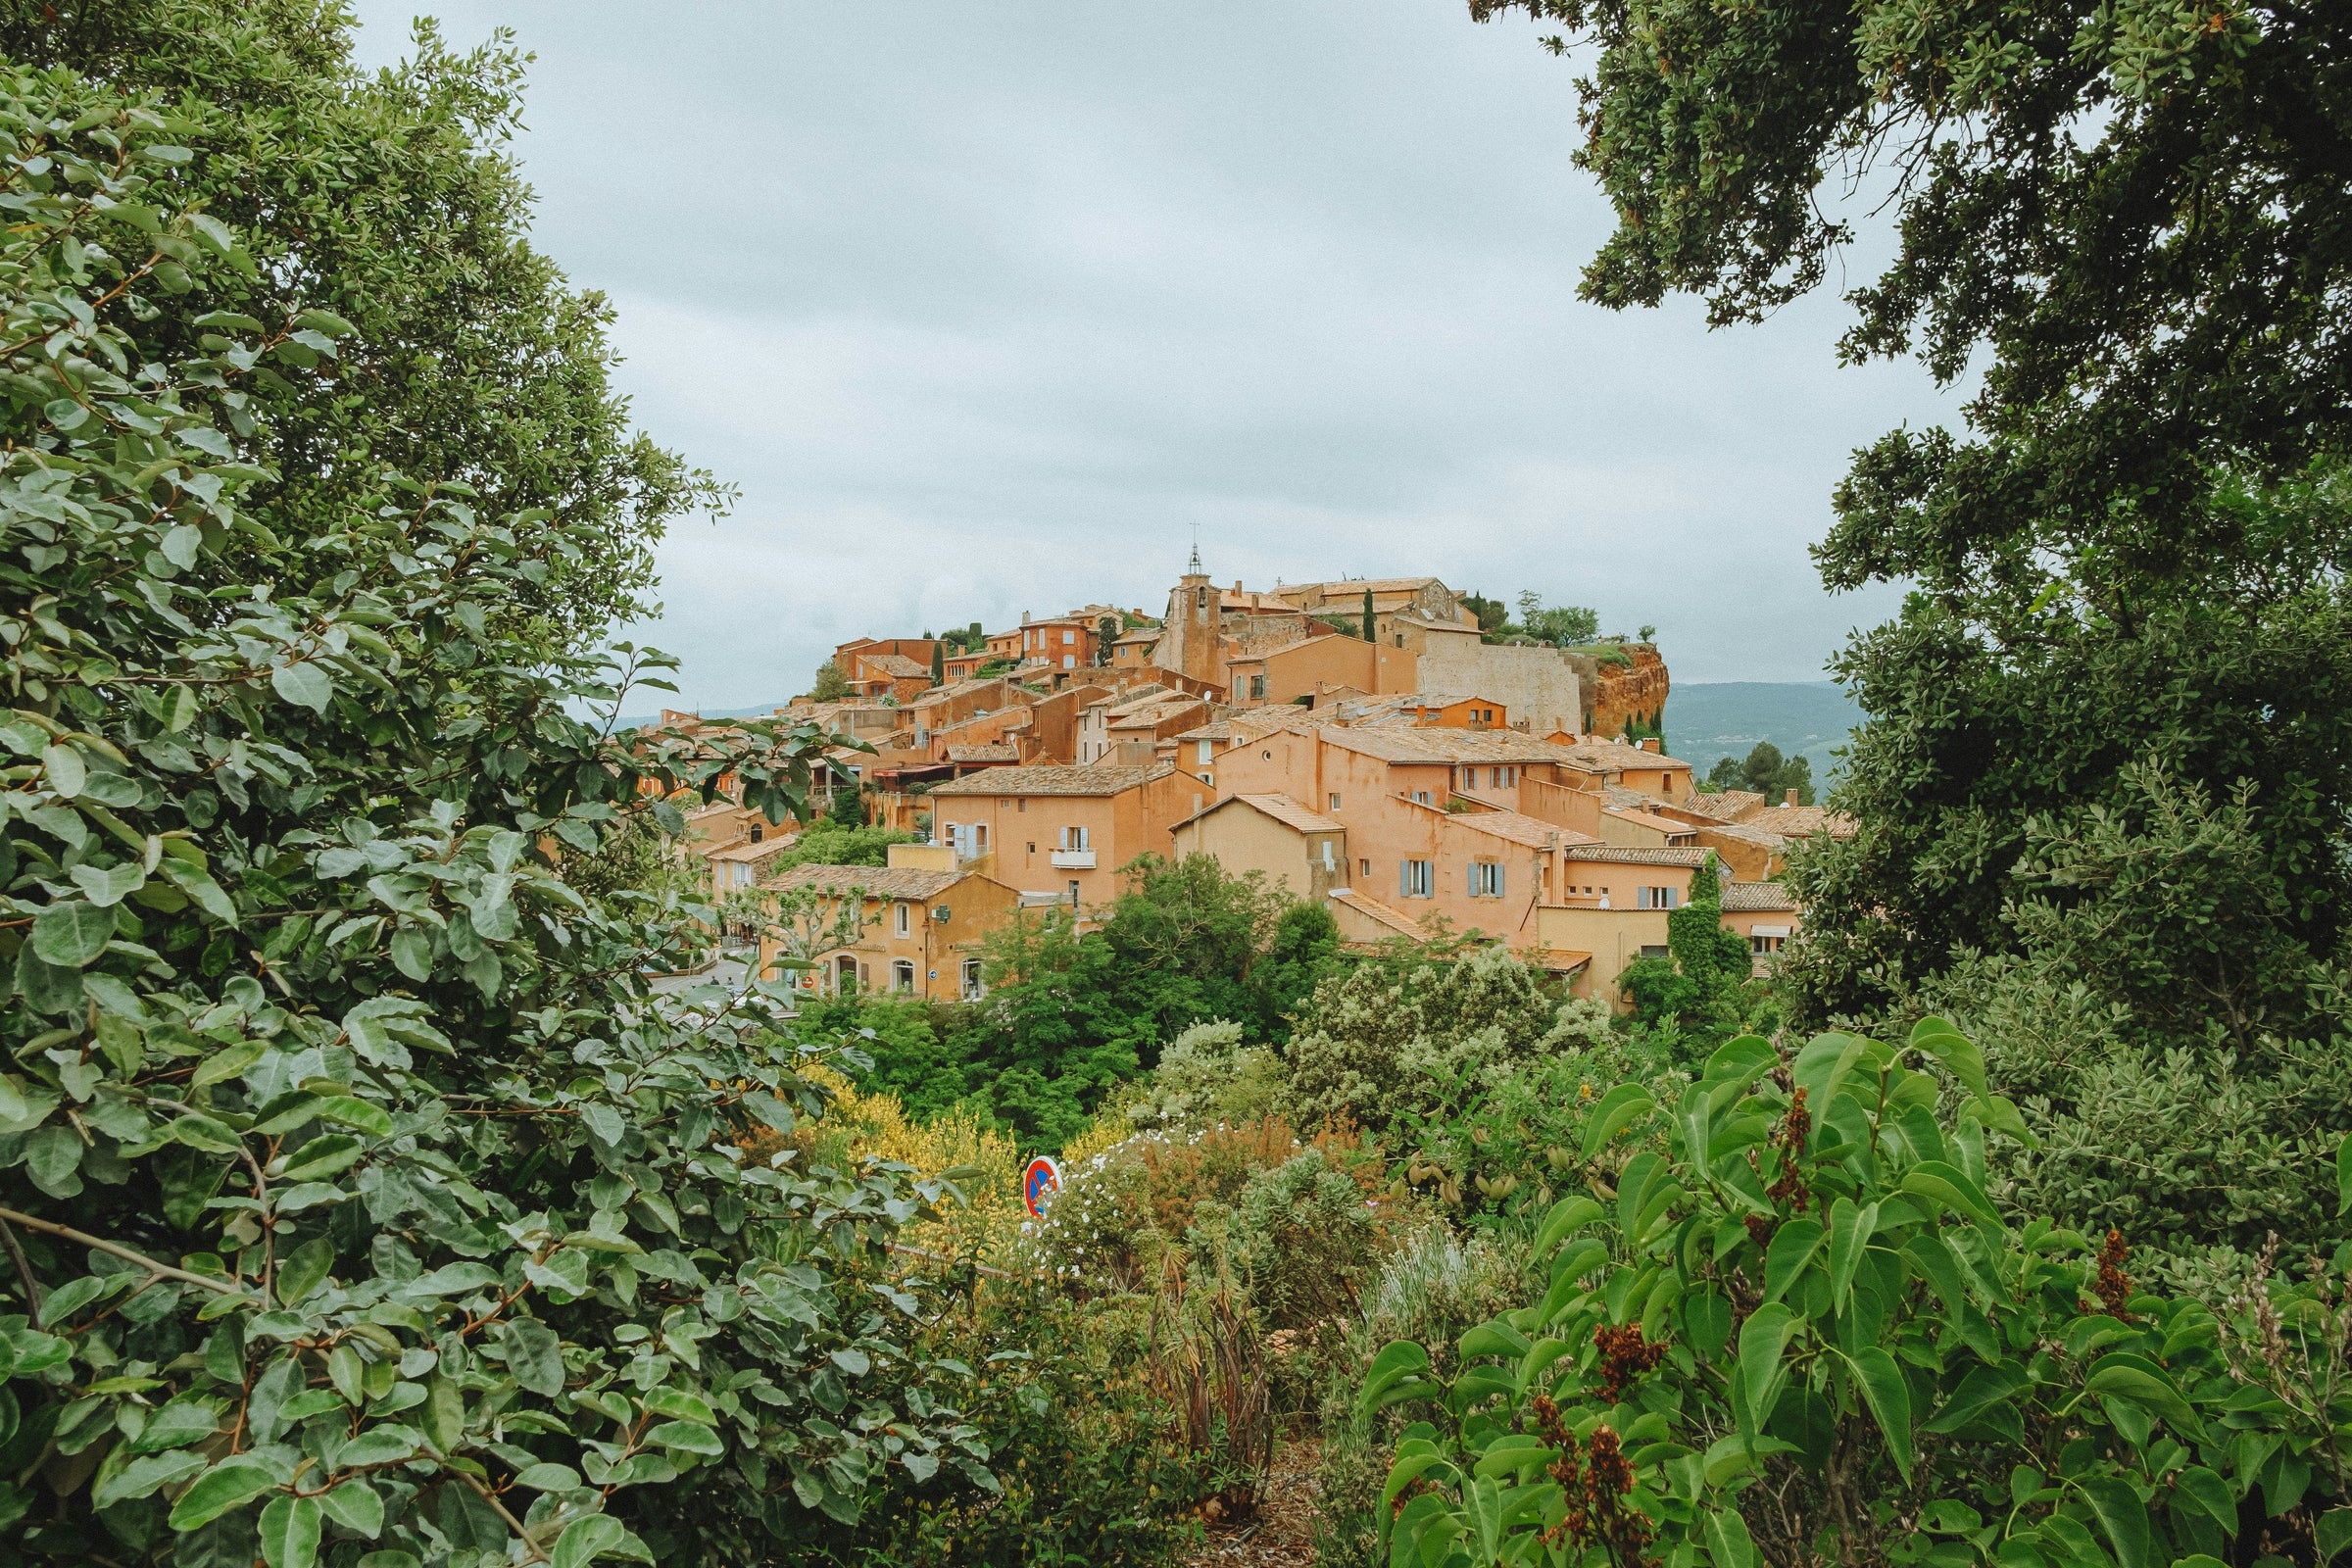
{"points": [[49, 1227]]}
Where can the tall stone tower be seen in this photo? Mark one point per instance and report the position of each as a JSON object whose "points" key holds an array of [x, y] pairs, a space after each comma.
{"points": [[1189, 640]]}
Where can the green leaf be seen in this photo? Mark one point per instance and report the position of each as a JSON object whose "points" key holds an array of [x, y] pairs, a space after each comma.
{"points": [[228, 1062], [1728, 1540], [413, 954], [2123, 1516], [1890, 1400], [1822, 1067], [1762, 1338], [2343, 1176], [1950, 1186], [64, 770], [549, 1478], [1568, 1214], [596, 1535], [1617, 1108], [322, 1156], [1958, 1054], [145, 1476], [2208, 1493], [353, 1111], [304, 685], [1850, 1231], [680, 1406], [535, 1355], [108, 886], [1979, 1392], [290, 1528], [385, 1445], [444, 1414], [1793, 1247], [691, 1435], [198, 884], [356, 1506], [230, 1484], [71, 936], [305, 1269], [2125, 1375], [2334, 1533]]}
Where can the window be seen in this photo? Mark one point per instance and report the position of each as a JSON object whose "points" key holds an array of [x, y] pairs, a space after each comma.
{"points": [[1206, 780], [1761, 945], [1257, 686], [1414, 880], [902, 920], [1486, 879], [1657, 898], [1365, 869], [980, 837], [1074, 893], [743, 875], [1203, 752], [902, 976], [1069, 661], [973, 990], [1420, 797], [1068, 637], [759, 831], [1241, 688], [1020, 804], [1648, 951], [1335, 800], [1075, 838]]}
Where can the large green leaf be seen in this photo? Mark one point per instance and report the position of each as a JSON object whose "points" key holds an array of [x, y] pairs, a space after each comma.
{"points": [[233, 1482], [71, 936], [1762, 1339], [1888, 1396], [1793, 1246], [290, 1531], [2123, 1516], [1616, 1113]]}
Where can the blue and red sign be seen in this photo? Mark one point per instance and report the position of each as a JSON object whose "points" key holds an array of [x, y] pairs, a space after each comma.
{"points": [[1040, 1182]]}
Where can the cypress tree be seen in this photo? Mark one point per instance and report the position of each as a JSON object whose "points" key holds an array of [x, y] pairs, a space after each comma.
{"points": [[1369, 635]]}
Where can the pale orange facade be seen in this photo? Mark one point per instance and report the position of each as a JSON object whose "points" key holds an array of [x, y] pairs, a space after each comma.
{"points": [[1059, 835], [922, 928]]}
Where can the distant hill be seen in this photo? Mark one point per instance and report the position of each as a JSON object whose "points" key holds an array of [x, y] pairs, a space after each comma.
{"points": [[1704, 723]]}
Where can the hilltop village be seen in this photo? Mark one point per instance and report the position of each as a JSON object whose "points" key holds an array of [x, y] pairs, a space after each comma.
{"points": [[1373, 746]]}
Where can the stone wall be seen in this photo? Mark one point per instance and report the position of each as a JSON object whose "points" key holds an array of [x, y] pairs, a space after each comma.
{"points": [[1538, 687]]}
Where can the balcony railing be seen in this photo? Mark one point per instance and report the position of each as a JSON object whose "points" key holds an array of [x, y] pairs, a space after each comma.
{"points": [[1074, 860]]}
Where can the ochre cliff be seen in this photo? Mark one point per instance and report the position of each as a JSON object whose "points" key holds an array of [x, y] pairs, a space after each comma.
{"points": [[1621, 697]]}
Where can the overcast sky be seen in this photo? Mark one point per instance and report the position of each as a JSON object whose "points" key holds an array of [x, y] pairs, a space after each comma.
{"points": [[996, 308]]}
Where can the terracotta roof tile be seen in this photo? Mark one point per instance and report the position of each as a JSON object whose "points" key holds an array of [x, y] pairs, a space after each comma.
{"points": [[874, 881], [1053, 780], [1618, 854], [1756, 897], [1291, 814]]}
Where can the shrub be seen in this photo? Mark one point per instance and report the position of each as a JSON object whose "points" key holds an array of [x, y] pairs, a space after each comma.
{"points": [[1206, 1076], [1297, 1236], [1378, 1045], [1430, 1286], [1799, 1328], [358, 1187]]}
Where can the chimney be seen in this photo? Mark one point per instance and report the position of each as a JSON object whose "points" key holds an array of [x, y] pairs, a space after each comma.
{"points": [[1237, 585], [1649, 743], [1024, 617], [1791, 798]]}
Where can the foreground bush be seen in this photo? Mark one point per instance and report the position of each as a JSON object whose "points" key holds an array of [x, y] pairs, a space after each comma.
{"points": [[357, 1195], [1797, 1329]]}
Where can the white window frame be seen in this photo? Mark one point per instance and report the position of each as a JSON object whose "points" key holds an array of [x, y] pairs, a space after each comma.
{"points": [[901, 922], [1486, 879], [901, 974], [1416, 879]]}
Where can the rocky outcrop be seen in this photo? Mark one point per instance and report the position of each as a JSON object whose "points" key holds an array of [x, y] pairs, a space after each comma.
{"points": [[1624, 693]]}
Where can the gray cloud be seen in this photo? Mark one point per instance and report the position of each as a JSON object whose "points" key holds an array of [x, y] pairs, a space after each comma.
{"points": [[993, 309]]}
